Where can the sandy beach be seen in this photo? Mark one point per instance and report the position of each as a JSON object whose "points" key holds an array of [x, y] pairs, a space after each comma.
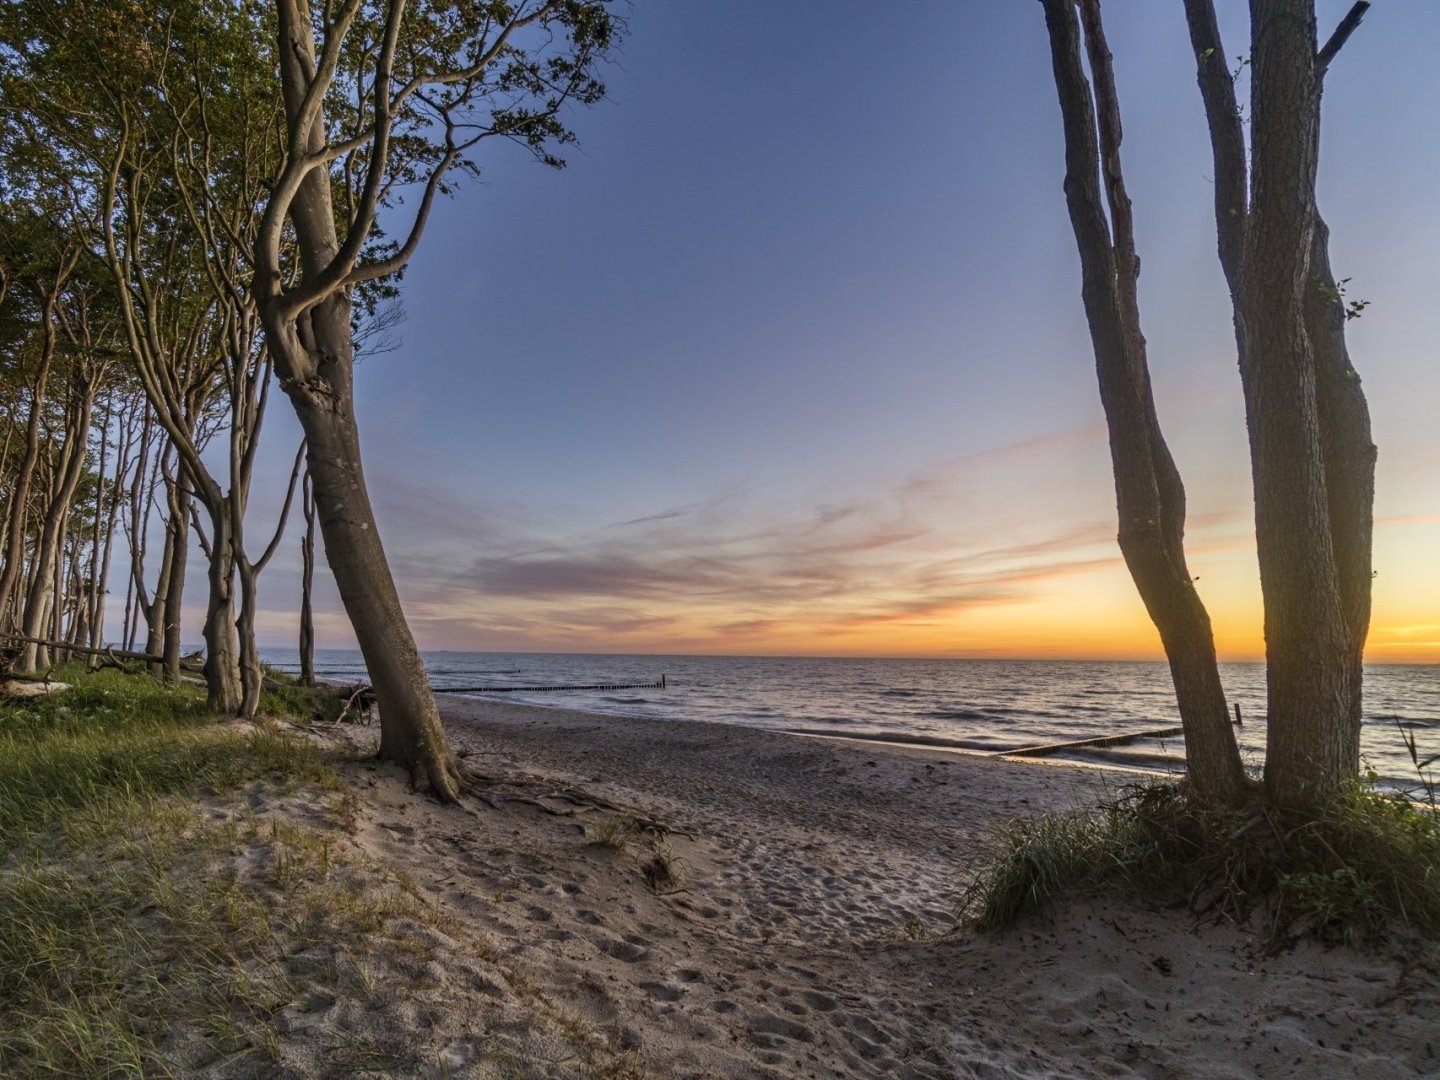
{"points": [[804, 931]]}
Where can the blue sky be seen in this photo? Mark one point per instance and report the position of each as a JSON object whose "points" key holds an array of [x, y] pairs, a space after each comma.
{"points": [[791, 357]]}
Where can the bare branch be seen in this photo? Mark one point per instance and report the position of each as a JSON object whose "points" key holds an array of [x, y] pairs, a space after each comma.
{"points": [[1341, 35]]}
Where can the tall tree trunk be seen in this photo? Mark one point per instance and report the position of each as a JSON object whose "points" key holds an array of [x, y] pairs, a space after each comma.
{"points": [[410, 729], [24, 477], [102, 578], [1312, 459], [1149, 494], [307, 586], [69, 469], [170, 611], [1310, 749], [1349, 460]]}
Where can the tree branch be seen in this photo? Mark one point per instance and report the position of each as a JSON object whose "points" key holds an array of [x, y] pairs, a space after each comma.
{"points": [[1341, 35]]}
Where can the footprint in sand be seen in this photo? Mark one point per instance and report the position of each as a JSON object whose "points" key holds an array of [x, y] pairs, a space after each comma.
{"points": [[662, 991], [625, 951], [589, 918], [763, 1026], [818, 1001]]}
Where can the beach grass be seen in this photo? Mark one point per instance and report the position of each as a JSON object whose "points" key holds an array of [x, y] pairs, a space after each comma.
{"points": [[1364, 867], [130, 924], [180, 894]]}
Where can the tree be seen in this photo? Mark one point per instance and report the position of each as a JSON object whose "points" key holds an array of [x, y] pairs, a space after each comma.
{"points": [[379, 103], [1149, 494], [1311, 456]]}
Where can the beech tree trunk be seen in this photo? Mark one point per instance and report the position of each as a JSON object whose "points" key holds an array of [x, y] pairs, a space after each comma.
{"points": [[170, 610], [42, 598], [20, 491], [410, 729], [1149, 494], [222, 664], [1312, 458]]}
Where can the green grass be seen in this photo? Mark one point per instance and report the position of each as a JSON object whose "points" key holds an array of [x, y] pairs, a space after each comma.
{"points": [[125, 922], [1366, 865], [152, 924]]}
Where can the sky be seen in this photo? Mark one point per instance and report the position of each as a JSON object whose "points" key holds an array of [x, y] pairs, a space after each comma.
{"points": [[790, 359]]}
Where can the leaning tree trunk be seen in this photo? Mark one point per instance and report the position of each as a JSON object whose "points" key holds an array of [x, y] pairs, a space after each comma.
{"points": [[410, 729], [1149, 494]]}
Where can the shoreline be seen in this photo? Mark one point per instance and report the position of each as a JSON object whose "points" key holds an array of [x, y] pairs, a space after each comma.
{"points": [[923, 744]]}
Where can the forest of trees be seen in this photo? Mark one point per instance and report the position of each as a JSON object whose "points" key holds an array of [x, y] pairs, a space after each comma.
{"points": [[190, 196]]}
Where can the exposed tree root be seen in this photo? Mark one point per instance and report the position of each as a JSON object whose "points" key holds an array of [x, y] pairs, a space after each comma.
{"points": [[529, 790]]}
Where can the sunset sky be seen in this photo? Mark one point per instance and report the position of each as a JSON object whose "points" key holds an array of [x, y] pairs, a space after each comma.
{"points": [[791, 359]]}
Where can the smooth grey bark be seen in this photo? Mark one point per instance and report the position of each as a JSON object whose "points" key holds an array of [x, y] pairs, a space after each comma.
{"points": [[42, 599], [24, 478], [1312, 456], [170, 603], [316, 376], [1149, 493]]}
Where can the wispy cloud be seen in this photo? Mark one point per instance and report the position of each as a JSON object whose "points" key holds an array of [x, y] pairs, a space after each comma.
{"points": [[742, 568]]}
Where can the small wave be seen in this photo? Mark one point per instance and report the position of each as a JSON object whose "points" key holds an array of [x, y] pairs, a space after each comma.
{"points": [[900, 693], [955, 714], [628, 700]]}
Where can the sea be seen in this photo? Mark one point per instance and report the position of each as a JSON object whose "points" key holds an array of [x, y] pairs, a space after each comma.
{"points": [[961, 706]]}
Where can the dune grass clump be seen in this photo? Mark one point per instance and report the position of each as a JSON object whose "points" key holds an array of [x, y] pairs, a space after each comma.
{"points": [[125, 925], [1366, 864]]}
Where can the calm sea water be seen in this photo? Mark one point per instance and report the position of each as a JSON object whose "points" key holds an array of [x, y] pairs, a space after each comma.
{"points": [[963, 705]]}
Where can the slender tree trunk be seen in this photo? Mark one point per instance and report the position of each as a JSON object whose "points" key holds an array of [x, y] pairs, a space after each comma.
{"points": [[102, 578], [24, 477], [174, 592], [70, 468], [153, 610], [307, 586], [1349, 462], [1149, 494], [251, 674]]}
